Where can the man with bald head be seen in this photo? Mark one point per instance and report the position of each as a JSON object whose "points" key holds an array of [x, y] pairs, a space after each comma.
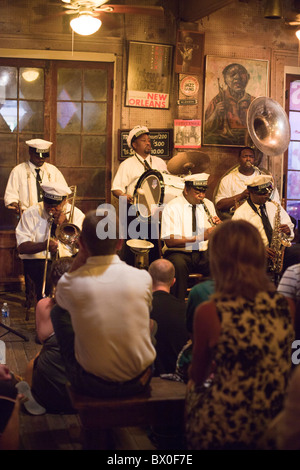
{"points": [[169, 314]]}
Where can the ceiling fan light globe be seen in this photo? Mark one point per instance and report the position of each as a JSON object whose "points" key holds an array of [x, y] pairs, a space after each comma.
{"points": [[85, 25]]}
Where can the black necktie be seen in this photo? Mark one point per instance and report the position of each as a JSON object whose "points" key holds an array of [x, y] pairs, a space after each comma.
{"points": [[38, 185], [266, 222], [146, 165], [194, 224]]}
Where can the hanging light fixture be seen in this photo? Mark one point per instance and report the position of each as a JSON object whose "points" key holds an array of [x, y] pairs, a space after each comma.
{"points": [[273, 9], [298, 34], [85, 24]]}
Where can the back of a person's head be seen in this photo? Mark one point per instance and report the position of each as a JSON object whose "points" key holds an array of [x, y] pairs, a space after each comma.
{"points": [[238, 259], [162, 272], [100, 233], [58, 268]]}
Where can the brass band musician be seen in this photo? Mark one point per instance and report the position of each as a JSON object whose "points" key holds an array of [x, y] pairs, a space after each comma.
{"points": [[23, 187], [128, 174], [33, 231], [263, 213], [232, 190], [187, 222]]}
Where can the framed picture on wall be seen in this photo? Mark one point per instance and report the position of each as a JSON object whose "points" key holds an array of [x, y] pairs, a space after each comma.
{"points": [[189, 52], [230, 86], [149, 75], [187, 133]]}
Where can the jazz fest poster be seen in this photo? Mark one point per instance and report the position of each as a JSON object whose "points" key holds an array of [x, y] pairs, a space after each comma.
{"points": [[149, 75]]}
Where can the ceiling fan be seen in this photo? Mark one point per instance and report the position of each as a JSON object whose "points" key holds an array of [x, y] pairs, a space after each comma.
{"points": [[89, 12], [292, 16]]}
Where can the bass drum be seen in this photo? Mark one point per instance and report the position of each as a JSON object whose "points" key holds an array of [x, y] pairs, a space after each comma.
{"points": [[155, 188]]}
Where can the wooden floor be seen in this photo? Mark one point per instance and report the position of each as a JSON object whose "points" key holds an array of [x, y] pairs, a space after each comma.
{"points": [[50, 431]]}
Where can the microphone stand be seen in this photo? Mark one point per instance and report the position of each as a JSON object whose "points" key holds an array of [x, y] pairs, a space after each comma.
{"points": [[11, 330]]}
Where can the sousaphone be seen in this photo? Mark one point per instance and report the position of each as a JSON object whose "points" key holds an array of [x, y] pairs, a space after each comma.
{"points": [[268, 126]]}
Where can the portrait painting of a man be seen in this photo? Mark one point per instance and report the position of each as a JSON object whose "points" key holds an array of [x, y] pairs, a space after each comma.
{"points": [[230, 87]]}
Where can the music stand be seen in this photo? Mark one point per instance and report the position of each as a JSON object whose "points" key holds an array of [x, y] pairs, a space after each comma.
{"points": [[11, 330]]}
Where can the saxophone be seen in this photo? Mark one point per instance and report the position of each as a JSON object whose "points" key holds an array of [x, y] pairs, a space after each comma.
{"points": [[278, 243]]}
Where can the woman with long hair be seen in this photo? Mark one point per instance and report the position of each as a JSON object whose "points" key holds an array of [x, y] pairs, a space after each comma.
{"points": [[243, 334]]}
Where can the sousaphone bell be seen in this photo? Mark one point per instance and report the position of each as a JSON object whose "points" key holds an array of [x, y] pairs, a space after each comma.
{"points": [[141, 249], [268, 126]]}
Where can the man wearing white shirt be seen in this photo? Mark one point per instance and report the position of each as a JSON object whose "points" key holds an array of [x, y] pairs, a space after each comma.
{"points": [[254, 210], [109, 352], [128, 175], [186, 240], [232, 190], [32, 232], [23, 186]]}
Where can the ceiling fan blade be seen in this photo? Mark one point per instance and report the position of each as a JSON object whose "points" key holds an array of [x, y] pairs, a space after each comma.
{"points": [[132, 9], [54, 16]]}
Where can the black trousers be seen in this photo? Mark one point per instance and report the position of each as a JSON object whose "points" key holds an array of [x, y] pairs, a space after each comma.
{"points": [[186, 263], [34, 270]]}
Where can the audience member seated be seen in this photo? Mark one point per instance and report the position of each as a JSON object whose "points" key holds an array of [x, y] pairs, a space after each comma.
{"points": [[48, 381], [187, 223], [245, 331], [289, 286], [102, 316], [198, 294], [9, 410], [169, 314], [284, 430]]}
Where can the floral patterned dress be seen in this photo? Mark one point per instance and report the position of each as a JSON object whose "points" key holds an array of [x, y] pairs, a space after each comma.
{"points": [[253, 362]]}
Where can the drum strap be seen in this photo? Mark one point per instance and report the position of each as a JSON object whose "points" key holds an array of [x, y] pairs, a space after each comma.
{"points": [[145, 163]]}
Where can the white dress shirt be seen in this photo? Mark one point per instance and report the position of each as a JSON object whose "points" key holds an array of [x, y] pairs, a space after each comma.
{"points": [[177, 221], [131, 169], [109, 303], [34, 227], [246, 212], [21, 185], [235, 183]]}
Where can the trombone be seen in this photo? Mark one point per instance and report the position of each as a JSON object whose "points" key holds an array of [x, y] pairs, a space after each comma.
{"points": [[67, 233]]}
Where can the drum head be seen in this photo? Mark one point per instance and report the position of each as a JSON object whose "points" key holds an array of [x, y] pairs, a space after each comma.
{"points": [[149, 191]]}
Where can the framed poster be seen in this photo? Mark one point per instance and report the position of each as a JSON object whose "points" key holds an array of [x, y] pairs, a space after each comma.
{"points": [[187, 133], [161, 143], [230, 87], [189, 52], [149, 75]]}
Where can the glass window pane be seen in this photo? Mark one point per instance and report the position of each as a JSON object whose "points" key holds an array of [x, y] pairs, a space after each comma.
{"points": [[31, 116], [69, 85], [295, 96], [293, 184], [9, 116], [31, 83], [94, 117], [67, 149], [8, 83], [94, 151], [294, 156], [293, 209], [68, 117], [294, 119], [95, 85]]}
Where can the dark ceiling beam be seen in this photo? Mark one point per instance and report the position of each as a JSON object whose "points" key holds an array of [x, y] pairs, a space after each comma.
{"points": [[193, 10]]}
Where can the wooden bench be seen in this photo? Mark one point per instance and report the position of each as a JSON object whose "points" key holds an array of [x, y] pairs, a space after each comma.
{"points": [[161, 405]]}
